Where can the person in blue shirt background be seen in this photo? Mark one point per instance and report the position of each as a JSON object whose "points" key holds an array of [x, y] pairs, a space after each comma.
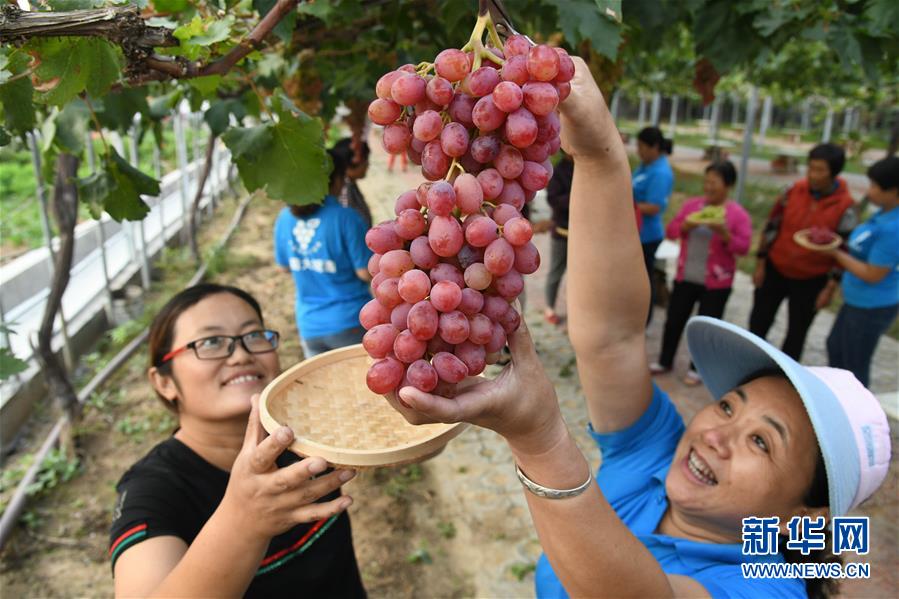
{"points": [[652, 183], [777, 441], [871, 277], [323, 247]]}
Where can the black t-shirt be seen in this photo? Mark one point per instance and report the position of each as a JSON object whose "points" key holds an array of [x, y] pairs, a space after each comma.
{"points": [[172, 491]]}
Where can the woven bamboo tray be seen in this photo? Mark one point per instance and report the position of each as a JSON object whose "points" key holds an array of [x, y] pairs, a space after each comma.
{"points": [[801, 239], [335, 416]]}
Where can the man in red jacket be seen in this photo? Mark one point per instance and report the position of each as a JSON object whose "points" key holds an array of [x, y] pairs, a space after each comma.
{"points": [[785, 269]]}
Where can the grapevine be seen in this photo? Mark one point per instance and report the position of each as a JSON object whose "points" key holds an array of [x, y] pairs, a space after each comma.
{"points": [[481, 122]]}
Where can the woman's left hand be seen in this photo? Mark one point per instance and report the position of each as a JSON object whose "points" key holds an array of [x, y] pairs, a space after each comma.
{"points": [[721, 230], [520, 404]]}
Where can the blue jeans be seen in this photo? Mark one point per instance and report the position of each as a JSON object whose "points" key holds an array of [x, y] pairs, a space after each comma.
{"points": [[854, 337], [313, 346]]}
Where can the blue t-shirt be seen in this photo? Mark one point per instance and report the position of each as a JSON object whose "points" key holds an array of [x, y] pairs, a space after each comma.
{"points": [[653, 184], [635, 462], [323, 252], [876, 242]]}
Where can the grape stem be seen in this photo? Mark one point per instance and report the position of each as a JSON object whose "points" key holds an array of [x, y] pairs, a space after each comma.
{"points": [[476, 43], [455, 164], [423, 68]]}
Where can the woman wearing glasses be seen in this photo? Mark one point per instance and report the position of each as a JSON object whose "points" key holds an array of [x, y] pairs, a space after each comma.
{"points": [[220, 508]]}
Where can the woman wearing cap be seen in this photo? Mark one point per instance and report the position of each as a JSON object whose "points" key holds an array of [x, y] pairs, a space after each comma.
{"points": [[871, 280], [665, 518], [220, 508]]}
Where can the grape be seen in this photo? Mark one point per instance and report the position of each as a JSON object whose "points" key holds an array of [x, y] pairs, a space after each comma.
{"points": [[509, 162], [486, 116], [374, 264], [481, 232], [548, 128], [396, 138], [427, 125], [387, 292], [527, 259], [460, 109], [372, 314], [473, 356], [408, 89], [521, 128], [437, 345], [510, 321], [480, 329], [554, 144], [510, 285], [472, 301], [425, 105], [548, 167], [447, 272], [421, 193], [410, 223], [498, 258], [497, 338], [491, 183], [422, 320], [507, 96], [445, 236], [441, 198], [399, 316], [543, 63], [422, 375], [445, 296], [566, 67], [470, 165], [480, 82], [469, 255], [453, 65], [454, 140], [453, 327], [414, 286], [516, 231], [408, 68], [395, 262], [512, 194], [449, 368], [383, 238], [382, 89], [439, 91], [504, 212], [377, 280], [536, 152], [384, 375], [540, 98], [378, 341], [564, 90], [422, 254], [533, 176], [478, 277], [516, 70], [413, 154], [485, 148], [516, 45], [434, 162], [407, 348], [384, 112], [469, 195], [406, 200]]}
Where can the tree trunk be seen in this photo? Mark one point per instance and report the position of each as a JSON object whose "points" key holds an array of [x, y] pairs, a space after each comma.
{"points": [[65, 211], [195, 207]]}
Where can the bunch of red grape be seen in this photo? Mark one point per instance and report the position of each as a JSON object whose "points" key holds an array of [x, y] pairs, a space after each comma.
{"points": [[447, 268]]}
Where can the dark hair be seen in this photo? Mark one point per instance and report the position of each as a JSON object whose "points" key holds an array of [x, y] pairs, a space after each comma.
{"points": [[339, 163], [652, 137], [725, 169], [345, 147], [885, 173], [162, 330], [832, 154], [816, 496]]}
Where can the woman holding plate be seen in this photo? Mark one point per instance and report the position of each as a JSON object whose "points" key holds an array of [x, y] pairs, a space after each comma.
{"points": [[712, 231], [664, 515]]}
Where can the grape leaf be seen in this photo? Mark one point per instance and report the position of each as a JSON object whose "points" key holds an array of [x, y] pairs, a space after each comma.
{"points": [[5, 137], [287, 158], [116, 188], [116, 110], [588, 20], [207, 86], [67, 5], [218, 117], [197, 35], [16, 97], [170, 6], [9, 364], [70, 65], [72, 127]]}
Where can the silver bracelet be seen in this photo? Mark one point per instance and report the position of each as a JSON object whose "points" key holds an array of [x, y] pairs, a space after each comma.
{"points": [[546, 492]]}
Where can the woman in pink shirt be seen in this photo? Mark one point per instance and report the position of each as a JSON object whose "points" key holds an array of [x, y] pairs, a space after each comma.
{"points": [[707, 260]]}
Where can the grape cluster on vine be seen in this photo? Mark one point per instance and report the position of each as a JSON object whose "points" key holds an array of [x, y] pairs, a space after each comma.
{"points": [[482, 124]]}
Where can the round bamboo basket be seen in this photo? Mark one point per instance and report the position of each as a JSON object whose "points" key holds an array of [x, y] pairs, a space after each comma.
{"points": [[801, 239], [335, 416]]}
